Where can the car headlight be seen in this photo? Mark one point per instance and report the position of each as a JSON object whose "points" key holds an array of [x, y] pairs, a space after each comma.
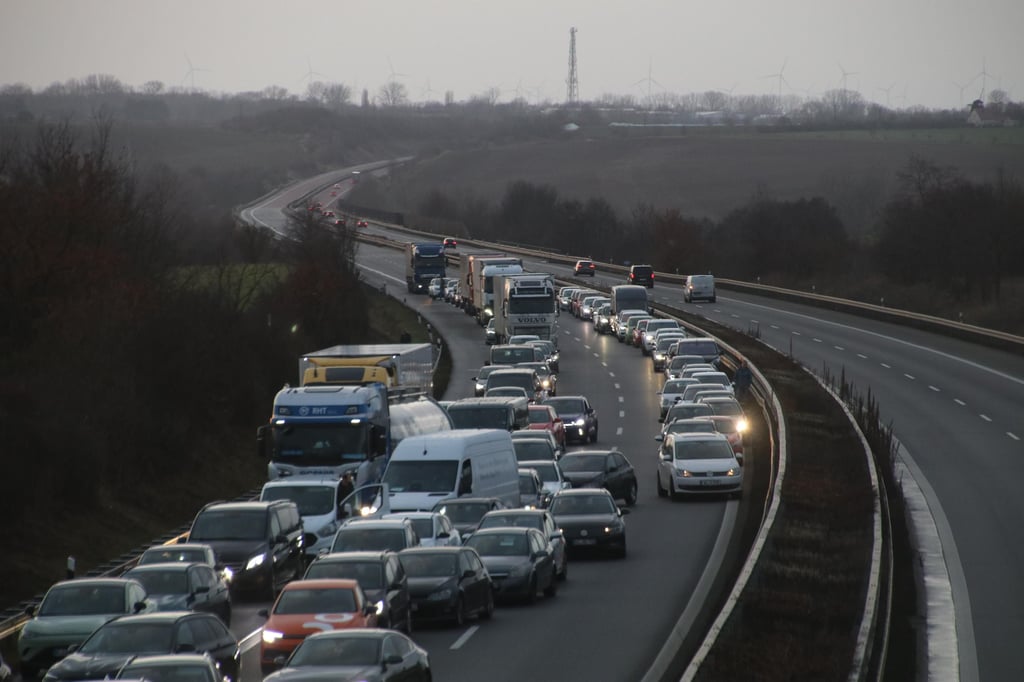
{"points": [[227, 574], [684, 473], [441, 595], [742, 425], [367, 511], [546, 383], [614, 529], [732, 472], [659, 356], [255, 561], [580, 422], [271, 636], [328, 530], [379, 606]]}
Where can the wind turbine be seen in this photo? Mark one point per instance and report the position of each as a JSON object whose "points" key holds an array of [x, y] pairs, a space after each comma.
{"points": [[190, 75], [310, 73], [781, 78], [650, 81], [394, 75], [889, 89], [426, 91], [984, 74], [845, 75], [963, 87]]}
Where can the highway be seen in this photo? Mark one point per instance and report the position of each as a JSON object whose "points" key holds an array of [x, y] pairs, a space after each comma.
{"points": [[956, 408]]}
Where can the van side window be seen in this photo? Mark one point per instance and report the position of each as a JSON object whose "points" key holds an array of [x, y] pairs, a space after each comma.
{"points": [[466, 479], [275, 525]]}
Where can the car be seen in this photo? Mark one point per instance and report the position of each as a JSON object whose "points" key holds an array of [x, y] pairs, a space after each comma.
{"points": [[522, 339], [449, 584], [695, 425], [171, 668], [117, 641], [544, 418], [490, 333], [717, 396], [584, 267], [659, 352], [432, 528], [551, 354], [620, 323], [717, 379], [321, 505], [603, 319], [531, 489], [541, 520], [341, 222], [587, 305], [370, 534], [535, 445], [436, 288], [180, 586], [450, 243], [608, 469], [642, 275], [590, 520], [508, 392], [382, 578], [261, 542], [648, 340], [507, 354], [465, 512], [699, 287], [565, 296], [637, 338], [732, 428], [69, 612], [577, 299], [548, 379], [551, 476], [480, 380], [678, 363], [578, 416], [355, 654], [520, 561], [684, 409], [328, 214], [308, 606], [698, 463], [519, 377], [706, 347], [361, 222], [672, 392]]}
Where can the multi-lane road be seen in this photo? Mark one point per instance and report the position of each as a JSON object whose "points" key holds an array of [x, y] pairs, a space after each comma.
{"points": [[957, 408]]}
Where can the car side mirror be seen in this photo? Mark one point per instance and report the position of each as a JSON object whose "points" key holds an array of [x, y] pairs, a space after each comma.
{"points": [[281, 539], [139, 606], [393, 659], [623, 511], [369, 609], [443, 535], [468, 573], [666, 456], [202, 589], [30, 611], [659, 437]]}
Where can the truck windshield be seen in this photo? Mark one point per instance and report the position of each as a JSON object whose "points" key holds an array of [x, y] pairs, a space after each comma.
{"points": [[437, 476], [538, 304], [319, 444]]}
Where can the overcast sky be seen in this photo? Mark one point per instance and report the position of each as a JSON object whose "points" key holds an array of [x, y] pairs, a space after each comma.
{"points": [[892, 49]]}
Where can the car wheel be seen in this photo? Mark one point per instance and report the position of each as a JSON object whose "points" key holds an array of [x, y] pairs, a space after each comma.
{"points": [[713, 299], [531, 590], [271, 593], [552, 589], [489, 607], [661, 491], [631, 494], [459, 619], [672, 490]]}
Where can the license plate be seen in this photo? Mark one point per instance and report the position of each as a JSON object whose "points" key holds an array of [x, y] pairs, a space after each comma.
{"points": [[712, 482], [584, 541]]}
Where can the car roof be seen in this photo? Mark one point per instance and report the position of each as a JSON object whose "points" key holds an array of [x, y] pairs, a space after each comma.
{"points": [[322, 584], [160, 616], [517, 512], [573, 492], [345, 557], [253, 505], [436, 549], [470, 500], [170, 659], [515, 530], [699, 436], [596, 451], [175, 566], [366, 633], [372, 523], [411, 515]]}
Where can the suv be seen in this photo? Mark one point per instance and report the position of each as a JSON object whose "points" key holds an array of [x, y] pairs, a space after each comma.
{"points": [[261, 542], [584, 267], [642, 275]]}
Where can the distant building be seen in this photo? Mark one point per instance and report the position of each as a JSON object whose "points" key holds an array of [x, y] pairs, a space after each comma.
{"points": [[981, 117]]}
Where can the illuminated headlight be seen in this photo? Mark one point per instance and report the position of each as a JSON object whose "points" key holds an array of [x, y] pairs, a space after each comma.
{"points": [[271, 636], [742, 425], [659, 356], [546, 383], [379, 606], [227, 574], [684, 473], [481, 387], [579, 422], [441, 595], [732, 472], [255, 561], [488, 312], [367, 511], [612, 530], [328, 530]]}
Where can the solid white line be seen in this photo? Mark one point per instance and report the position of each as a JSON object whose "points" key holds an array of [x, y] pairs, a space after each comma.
{"points": [[250, 640], [909, 376], [959, 402], [774, 326], [985, 417], [464, 638], [935, 388], [618, 431], [755, 322], [1012, 435]]}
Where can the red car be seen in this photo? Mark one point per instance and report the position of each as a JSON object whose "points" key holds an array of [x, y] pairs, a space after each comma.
{"points": [[450, 243], [340, 222], [362, 223], [544, 418]]}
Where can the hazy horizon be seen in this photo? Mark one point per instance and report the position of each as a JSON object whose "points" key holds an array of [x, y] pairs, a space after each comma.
{"points": [[897, 54]]}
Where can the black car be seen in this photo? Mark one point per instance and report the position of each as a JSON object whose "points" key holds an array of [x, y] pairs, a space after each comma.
{"points": [[642, 275], [448, 584], [170, 632], [355, 654], [584, 267], [540, 519], [608, 469], [382, 578], [578, 415], [171, 668], [180, 586], [589, 519], [520, 561], [465, 512], [261, 542]]}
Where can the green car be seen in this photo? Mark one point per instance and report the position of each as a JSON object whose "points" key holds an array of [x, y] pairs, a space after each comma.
{"points": [[69, 613]]}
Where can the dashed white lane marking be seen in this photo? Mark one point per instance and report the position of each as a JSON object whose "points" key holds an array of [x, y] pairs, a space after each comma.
{"points": [[909, 376], [621, 399], [816, 340], [604, 364], [616, 386], [618, 431], [755, 322], [796, 334], [862, 356], [612, 375], [935, 388], [959, 402], [838, 347], [735, 315], [622, 413], [464, 638], [775, 326], [1012, 435], [885, 365], [986, 417]]}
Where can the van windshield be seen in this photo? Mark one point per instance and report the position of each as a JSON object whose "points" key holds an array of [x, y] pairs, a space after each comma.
{"points": [[436, 476], [495, 417]]}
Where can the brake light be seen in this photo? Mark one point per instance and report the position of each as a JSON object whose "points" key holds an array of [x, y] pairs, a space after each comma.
{"points": [[652, 275]]}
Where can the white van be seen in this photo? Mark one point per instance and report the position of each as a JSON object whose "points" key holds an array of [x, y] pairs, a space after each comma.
{"points": [[318, 503], [699, 288], [425, 470]]}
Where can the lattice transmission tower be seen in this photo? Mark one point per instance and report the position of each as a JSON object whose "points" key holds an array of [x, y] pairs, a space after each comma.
{"points": [[572, 85]]}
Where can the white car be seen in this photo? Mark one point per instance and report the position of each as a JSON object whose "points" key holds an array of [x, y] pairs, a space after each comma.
{"points": [[433, 529], [698, 464], [672, 392], [652, 328], [520, 339]]}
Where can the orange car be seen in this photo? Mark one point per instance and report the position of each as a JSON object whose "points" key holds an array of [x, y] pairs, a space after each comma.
{"points": [[308, 606]]}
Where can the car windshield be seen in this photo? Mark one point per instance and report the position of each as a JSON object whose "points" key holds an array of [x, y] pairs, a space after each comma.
{"points": [[728, 408], [465, 513], [518, 379], [83, 600], [510, 356], [369, 574], [121, 637], [428, 565], [730, 425], [161, 582], [353, 538], [675, 386], [540, 417], [514, 520], [547, 346], [582, 504], [499, 544], [526, 484], [312, 500], [690, 426], [710, 449], [163, 555], [179, 672], [701, 347], [712, 378], [423, 527], [230, 525], [565, 405], [437, 476], [532, 449], [583, 462], [337, 651], [328, 600], [548, 471]]}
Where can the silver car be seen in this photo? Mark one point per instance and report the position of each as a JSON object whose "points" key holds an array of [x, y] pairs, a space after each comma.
{"points": [[698, 464]]}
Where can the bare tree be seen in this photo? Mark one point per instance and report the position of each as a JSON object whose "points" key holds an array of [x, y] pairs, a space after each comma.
{"points": [[393, 94], [152, 87], [337, 95]]}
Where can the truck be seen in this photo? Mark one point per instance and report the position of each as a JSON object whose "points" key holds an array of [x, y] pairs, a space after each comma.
{"points": [[393, 364], [467, 269], [483, 288], [423, 262], [526, 303], [328, 429], [629, 297]]}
